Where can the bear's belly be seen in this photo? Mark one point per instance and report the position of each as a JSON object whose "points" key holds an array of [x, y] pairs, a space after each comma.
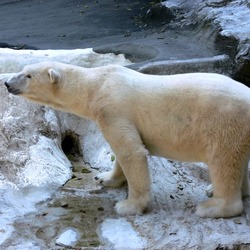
{"points": [[187, 152], [175, 136]]}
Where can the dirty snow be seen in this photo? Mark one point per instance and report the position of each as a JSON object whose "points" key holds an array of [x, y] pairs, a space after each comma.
{"points": [[15, 203]]}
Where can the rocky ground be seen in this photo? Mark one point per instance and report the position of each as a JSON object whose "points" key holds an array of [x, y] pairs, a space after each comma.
{"points": [[38, 210]]}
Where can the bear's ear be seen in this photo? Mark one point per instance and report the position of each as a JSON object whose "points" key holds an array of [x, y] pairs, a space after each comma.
{"points": [[53, 76]]}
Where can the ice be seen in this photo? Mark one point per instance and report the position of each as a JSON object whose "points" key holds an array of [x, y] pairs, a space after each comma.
{"points": [[120, 233], [67, 238]]}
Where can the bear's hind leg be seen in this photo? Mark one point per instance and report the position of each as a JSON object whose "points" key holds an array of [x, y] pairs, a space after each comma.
{"points": [[227, 199], [113, 178], [244, 188]]}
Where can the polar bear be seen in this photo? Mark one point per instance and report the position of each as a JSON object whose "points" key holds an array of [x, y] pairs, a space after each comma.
{"points": [[195, 117]]}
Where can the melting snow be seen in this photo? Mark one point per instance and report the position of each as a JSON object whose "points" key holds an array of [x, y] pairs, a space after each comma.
{"points": [[67, 238], [121, 234]]}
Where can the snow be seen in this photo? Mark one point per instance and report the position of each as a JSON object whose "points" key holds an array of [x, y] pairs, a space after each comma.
{"points": [[15, 203], [233, 19], [56, 168], [120, 233], [234, 22], [5, 229], [68, 238], [14, 60]]}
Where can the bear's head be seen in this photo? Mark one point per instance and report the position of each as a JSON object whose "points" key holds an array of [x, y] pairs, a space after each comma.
{"points": [[38, 82]]}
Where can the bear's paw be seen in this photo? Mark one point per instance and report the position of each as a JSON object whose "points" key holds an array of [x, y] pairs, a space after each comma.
{"points": [[107, 179], [128, 207], [219, 208]]}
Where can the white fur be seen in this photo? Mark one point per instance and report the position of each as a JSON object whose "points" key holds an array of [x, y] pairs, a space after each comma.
{"points": [[187, 117]]}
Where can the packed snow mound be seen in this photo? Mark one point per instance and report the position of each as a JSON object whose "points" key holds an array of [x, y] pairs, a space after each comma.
{"points": [[15, 60]]}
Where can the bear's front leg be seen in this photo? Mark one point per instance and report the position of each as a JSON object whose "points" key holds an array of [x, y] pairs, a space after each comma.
{"points": [[135, 167], [113, 178], [131, 154]]}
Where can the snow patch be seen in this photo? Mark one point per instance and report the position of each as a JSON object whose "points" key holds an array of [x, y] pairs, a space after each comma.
{"points": [[121, 234], [15, 203], [5, 229], [233, 18], [47, 165], [68, 238], [14, 60]]}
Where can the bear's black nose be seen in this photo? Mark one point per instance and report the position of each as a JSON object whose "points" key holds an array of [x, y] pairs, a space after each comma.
{"points": [[13, 90], [7, 85]]}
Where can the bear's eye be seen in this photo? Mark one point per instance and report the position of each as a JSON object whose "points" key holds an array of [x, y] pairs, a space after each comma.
{"points": [[28, 76]]}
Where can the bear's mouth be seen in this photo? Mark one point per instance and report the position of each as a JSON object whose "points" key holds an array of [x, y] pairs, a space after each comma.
{"points": [[12, 90]]}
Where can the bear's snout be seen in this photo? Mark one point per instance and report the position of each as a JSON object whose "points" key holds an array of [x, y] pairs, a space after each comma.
{"points": [[12, 89]]}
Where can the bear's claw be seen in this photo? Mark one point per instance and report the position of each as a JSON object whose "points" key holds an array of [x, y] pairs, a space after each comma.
{"points": [[106, 179]]}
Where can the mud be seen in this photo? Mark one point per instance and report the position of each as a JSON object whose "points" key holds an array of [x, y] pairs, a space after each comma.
{"points": [[79, 205]]}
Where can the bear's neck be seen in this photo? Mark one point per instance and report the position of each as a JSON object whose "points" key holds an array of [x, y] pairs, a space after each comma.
{"points": [[79, 99]]}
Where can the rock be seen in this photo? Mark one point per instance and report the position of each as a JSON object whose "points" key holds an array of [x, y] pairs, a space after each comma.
{"points": [[242, 70], [217, 64], [232, 21], [229, 24], [158, 14]]}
